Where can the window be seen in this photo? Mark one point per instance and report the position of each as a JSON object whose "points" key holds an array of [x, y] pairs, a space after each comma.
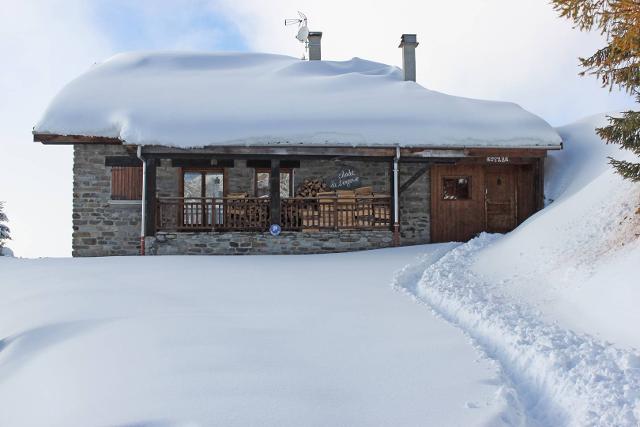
{"points": [[196, 186], [456, 188], [126, 183], [203, 183], [262, 182]]}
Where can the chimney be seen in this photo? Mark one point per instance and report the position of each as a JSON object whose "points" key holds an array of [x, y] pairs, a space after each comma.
{"points": [[315, 52], [408, 43]]}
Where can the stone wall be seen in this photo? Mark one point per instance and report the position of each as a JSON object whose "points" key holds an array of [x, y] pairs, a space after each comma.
{"points": [[374, 174], [415, 206], [240, 178], [246, 243], [101, 226], [104, 227]]}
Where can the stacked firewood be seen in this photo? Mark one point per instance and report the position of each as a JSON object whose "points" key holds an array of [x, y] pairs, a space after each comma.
{"points": [[310, 187]]}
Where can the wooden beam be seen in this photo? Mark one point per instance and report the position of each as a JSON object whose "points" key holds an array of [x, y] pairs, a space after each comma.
{"points": [[276, 151], [461, 152], [266, 164], [149, 197], [122, 161], [274, 190], [259, 164], [539, 173], [52, 139], [414, 178], [429, 152], [506, 152]]}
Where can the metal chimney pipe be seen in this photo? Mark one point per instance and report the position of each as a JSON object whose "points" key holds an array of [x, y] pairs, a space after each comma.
{"points": [[315, 51], [408, 43]]}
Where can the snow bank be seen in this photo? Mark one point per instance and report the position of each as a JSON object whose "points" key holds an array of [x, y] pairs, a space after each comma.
{"points": [[548, 299], [562, 378], [576, 260], [199, 99]]}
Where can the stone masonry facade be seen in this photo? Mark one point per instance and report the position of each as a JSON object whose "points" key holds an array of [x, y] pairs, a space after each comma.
{"points": [[250, 243], [103, 227]]}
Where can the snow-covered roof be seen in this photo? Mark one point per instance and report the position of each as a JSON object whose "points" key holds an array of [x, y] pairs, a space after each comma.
{"points": [[201, 99]]}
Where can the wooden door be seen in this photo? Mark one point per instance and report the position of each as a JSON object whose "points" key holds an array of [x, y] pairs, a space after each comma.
{"points": [[500, 199], [457, 202]]}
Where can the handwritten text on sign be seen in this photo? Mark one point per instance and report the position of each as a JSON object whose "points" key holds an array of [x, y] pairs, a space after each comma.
{"points": [[345, 179]]}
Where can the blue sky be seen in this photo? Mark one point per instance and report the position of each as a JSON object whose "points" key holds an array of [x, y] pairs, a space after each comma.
{"points": [[142, 25]]}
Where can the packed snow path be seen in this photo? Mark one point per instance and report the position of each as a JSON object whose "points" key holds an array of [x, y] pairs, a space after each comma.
{"points": [[561, 377], [234, 341]]}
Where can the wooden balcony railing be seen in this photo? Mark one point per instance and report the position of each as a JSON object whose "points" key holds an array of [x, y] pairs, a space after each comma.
{"points": [[253, 214], [322, 213], [212, 214]]}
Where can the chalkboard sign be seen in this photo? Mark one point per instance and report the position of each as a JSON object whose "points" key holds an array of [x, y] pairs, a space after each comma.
{"points": [[346, 179]]}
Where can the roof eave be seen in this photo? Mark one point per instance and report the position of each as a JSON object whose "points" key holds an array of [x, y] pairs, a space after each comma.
{"points": [[55, 139]]}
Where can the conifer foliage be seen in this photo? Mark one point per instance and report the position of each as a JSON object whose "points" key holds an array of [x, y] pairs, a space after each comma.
{"points": [[4, 229], [616, 64]]}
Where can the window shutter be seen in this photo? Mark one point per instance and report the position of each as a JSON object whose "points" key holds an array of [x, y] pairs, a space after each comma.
{"points": [[126, 183]]}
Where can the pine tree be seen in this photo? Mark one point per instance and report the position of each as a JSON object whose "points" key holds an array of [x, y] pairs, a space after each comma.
{"points": [[4, 229], [616, 64]]}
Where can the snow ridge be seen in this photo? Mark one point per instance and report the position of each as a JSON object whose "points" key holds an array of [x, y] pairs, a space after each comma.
{"points": [[562, 378]]}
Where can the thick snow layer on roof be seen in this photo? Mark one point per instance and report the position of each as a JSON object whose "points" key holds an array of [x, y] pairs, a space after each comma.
{"points": [[200, 99]]}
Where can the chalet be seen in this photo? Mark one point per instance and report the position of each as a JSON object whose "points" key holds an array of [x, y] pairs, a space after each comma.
{"points": [[227, 153]]}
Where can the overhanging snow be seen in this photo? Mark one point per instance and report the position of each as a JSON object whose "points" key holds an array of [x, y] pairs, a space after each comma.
{"points": [[201, 99]]}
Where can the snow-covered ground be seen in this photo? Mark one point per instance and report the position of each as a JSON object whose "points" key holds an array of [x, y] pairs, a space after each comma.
{"points": [[235, 341], [555, 301]]}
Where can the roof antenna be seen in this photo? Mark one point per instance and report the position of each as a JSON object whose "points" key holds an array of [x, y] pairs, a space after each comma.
{"points": [[303, 30]]}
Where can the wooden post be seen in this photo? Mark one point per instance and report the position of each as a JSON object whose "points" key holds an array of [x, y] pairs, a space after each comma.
{"points": [[274, 191], [149, 197], [540, 183]]}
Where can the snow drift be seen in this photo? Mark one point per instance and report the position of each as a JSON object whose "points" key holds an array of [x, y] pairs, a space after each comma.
{"points": [[199, 99], [547, 299], [576, 260]]}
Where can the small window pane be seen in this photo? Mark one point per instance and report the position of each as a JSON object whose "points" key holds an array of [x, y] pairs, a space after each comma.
{"points": [[456, 188], [262, 184], [192, 184], [214, 184]]}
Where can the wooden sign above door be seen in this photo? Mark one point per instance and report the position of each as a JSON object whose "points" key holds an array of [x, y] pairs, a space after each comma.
{"points": [[497, 159]]}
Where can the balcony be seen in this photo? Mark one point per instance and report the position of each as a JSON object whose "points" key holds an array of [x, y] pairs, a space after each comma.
{"points": [[325, 212]]}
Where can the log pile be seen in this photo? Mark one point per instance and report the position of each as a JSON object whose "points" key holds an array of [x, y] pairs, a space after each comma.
{"points": [[310, 187]]}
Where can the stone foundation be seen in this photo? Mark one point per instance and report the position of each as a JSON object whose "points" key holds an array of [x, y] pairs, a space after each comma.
{"points": [[249, 243]]}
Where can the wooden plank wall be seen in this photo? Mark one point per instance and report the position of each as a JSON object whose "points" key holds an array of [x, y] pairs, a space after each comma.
{"points": [[460, 220]]}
